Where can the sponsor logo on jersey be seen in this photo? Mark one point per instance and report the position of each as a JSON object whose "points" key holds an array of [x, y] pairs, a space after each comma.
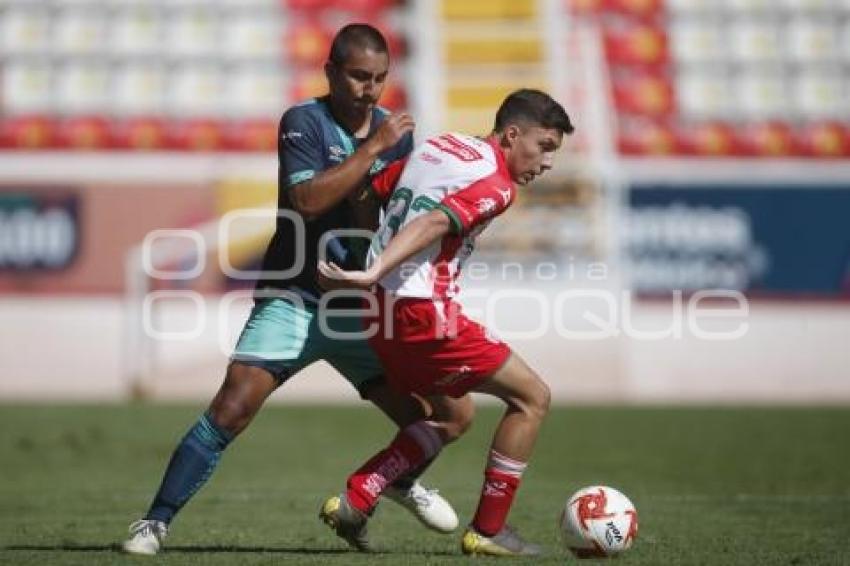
{"points": [[486, 205], [291, 135], [506, 195], [336, 153], [449, 144], [430, 158]]}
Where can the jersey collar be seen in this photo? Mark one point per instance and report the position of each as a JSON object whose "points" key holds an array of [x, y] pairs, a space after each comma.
{"points": [[501, 164]]}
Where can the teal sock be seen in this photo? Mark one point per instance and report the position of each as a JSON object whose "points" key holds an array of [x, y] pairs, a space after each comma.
{"points": [[191, 465]]}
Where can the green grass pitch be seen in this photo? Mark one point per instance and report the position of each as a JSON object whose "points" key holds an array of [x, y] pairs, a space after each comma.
{"points": [[749, 486]]}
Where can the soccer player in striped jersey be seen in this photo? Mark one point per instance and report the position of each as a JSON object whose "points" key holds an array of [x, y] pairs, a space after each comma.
{"points": [[442, 197]]}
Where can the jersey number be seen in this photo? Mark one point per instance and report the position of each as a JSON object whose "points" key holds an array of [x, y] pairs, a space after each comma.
{"points": [[401, 203]]}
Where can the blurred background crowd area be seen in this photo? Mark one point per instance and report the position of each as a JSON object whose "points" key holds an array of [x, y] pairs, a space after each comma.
{"points": [[691, 77], [712, 151]]}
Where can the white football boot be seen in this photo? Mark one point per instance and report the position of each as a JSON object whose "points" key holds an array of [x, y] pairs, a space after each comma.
{"points": [[146, 537], [427, 505]]}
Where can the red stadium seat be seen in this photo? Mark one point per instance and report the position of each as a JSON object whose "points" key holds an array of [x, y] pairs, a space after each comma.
{"points": [[766, 139], [708, 139], [139, 133], [251, 135], [83, 132], [631, 42], [27, 132], [824, 139], [197, 134], [641, 92], [645, 136], [308, 44]]}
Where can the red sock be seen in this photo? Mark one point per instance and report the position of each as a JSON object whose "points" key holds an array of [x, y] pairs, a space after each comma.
{"points": [[501, 481], [411, 448]]}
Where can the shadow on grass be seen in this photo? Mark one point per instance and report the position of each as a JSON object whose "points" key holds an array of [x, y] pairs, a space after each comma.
{"points": [[206, 549]]}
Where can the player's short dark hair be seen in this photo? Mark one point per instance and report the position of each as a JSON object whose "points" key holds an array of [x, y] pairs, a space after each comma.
{"points": [[356, 36], [532, 106]]}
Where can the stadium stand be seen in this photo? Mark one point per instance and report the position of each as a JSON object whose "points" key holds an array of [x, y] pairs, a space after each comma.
{"points": [[189, 75], [732, 78]]}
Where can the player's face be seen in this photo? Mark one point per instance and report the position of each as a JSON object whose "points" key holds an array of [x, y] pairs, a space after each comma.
{"points": [[531, 151], [357, 84]]}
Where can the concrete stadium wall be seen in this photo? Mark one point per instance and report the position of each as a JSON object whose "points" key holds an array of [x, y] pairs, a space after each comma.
{"points": [[72, 349]]}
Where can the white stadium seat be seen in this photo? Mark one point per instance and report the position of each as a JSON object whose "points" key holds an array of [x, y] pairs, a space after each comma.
{"points": [[695, 39], [195, 90], [82, 87], [139, 89], [702, 93], [762, 94], [26, 86]]}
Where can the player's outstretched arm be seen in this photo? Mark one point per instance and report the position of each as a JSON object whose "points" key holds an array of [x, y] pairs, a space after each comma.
{"points": [[412, 239], [327, 189]]}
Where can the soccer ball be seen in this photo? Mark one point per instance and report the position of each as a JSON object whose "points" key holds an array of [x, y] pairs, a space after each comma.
{"points": [[598, 521]]}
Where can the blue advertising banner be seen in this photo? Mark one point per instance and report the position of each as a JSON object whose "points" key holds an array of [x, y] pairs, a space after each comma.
{"points": [[791, 241]]}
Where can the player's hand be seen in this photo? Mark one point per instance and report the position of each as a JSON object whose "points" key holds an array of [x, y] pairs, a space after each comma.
{"points": [[331, 277], [391, 130]]}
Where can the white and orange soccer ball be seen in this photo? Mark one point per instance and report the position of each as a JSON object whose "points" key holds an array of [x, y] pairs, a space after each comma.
{"points": [[598, 521]]}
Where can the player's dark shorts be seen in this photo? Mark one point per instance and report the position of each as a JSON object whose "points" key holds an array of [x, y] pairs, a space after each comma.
{"points": [[285, 335], [432, 348]]}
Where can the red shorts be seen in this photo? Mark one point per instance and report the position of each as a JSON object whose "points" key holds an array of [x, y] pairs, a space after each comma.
{"points": [[432, 348]]}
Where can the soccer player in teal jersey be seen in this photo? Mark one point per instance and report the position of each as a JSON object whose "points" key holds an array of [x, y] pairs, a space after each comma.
{"points": [[326, 147]]}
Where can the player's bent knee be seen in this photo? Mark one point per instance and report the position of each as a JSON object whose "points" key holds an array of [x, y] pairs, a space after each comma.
{"points": [[240, 397], [230, 414], [537, 398], [543, 398]]}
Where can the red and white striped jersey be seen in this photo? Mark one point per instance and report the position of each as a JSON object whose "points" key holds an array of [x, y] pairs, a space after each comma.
{"points": [[463, 176]]}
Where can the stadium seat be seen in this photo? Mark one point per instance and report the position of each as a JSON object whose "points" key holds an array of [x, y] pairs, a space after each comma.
{"points": [[138, 88], [27, 131], [25, 29], [639, 135], [761, 94], [192, 31], [195, 90], [82, 86], [632, 42], [642, 92], [253, 90], [138, 133], [26, 86], [821, 93], [136, 30], [766, 139], [80, 31], [697, 40], [747, 77], [83, 132], [478, 10], [252, 34], [702, 93], [755, 40], [824, 139], [813, 40], [467, 48]]}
